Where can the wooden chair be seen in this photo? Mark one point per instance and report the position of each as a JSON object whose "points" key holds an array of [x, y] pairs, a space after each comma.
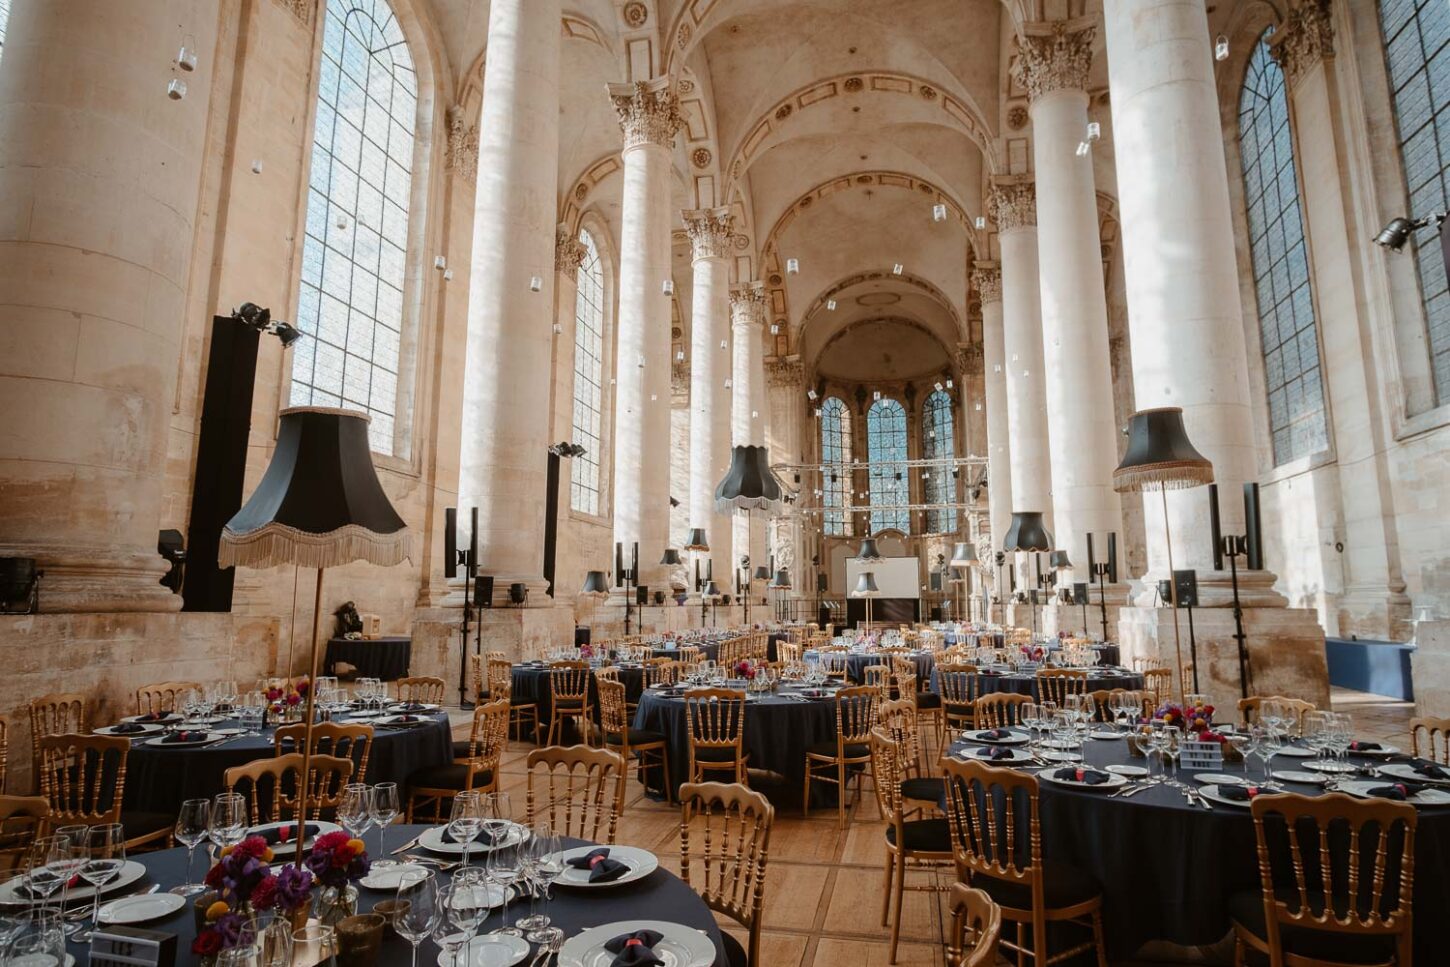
{"points": [[349, 740], [1427, 735], [618, 734], [424, 689], [689, 654], [716, 723], [58, 713], [276, 783], [1101, 699], [521, 710], [1142, 664], [1158, 682], [724, 844], [928, 703], [83, 780], [4, 751], [917, 844], [163, 697], [998, 849], [476, 769], [787, 651], [478, 674], [23, 819], [569, 694], [1249, 708], [850, 751], [976, 928], [1141, 699], [1001, 709], [899, 719], [582, 791], [957, 683], [661, 671], [1056, 684], [1322, 904]]}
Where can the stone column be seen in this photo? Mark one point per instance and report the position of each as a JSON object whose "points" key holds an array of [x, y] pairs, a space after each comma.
{"points": [[747, 427], [1053, 66], [99, 180], [503, 466], [785, 398], [710, 366], [987, 280], [649, 115]]}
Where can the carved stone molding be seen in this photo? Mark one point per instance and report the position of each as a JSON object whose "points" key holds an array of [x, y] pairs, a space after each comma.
{"points": [[969, 359], [747, 304], [784, 372], [710, 231], [301, 9], [1055, 59], [569, 252], [988, 283], [1306, 38], [462, 144], [649, 112], [1013, 206]]}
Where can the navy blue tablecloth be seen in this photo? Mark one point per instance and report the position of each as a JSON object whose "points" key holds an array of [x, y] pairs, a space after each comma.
{"points": [[856, 666], [708, 650], [531, 684], [385, 658], [1027, 684]]}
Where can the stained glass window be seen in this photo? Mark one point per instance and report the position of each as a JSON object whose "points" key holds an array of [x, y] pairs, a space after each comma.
{"points": [[1417, 53], [355, 249], [836, 451], [937, 443], [1281, 262], [886, 441], [4, 19], [588, 380]]}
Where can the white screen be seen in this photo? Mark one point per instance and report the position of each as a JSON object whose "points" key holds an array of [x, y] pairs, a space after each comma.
{"points": [[897, 577]]}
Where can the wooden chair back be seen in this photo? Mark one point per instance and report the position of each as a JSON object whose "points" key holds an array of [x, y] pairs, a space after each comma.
{"points": [[900, 721], [1158, 682], [579, 790], [662, 671], [1056, 684], [569, 682], [1000, 710], [421, 688], [613, 709], [273, 787], [23, 819], [689, 654], [478, 674], [1429, 739], [4, 750], [957, 682], [500, 679], [347, 740], [83, 777], [488, 736], [855, 716], [787, 651], [163, 696], [984, 812], [889, 758], [724, 844], [976, 928], [877, 677], [58, 713]]}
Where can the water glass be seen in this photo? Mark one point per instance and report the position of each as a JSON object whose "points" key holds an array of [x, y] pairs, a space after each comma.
{"points": [[316, 944], [417, 910], [354, 808], [192, 823], [227, 823], [385, 808], [104, 854], [503, 866]]}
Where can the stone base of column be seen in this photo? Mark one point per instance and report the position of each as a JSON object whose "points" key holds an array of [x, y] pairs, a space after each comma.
{"points": [[1285, 650], [538, 596], [98, 580], [520, 633], [606, 620], [1215, 589], [1057, 618], [1430, 667], [1375, 613]]}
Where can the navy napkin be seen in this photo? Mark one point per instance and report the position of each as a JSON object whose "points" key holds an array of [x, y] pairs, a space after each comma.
{"points": [[483, 837], [1399, 791], [994, 734], [185, 738], [1430, 770], [411, 707], [635, 949], [153, 717], [286, 834], [1239, 793], [1365, 747], [1091, 777], [602, 869], [405, 719], [996, 753], [126, 728]]}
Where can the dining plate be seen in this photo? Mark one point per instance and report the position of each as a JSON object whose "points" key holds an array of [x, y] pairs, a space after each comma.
{"points": [[1425, 797], [1296, 775], [1015, 738], [1406, 770], [161, 743], [1296, 752], [1115, 781], [388, 877], [983, 752], [641, 863], [681, 946], [165, 719], [147, 728], [490, 950], [1132, 772], [1384, 750], [1058, 755], [1211, 792], [228, 732], [288, 847], [1219, 779], [11, 891], [1105, 734], [140, 909], [1332, 766], [431, 839]]}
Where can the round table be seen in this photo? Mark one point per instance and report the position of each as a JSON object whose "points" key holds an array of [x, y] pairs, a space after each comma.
{"points": [[659, 896], [856, 665], [1105, 679], [709, 650], [158, 779], [531, 684], [1168, 868]]}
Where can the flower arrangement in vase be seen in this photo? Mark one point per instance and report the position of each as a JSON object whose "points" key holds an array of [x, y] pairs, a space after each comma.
{"points": [[337, 862], [287, 700], [242, 886], [1033, 653]]}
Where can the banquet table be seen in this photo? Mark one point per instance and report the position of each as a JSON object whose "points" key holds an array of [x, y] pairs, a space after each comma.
{"points": [[1098, 679], [856, 665], [659, 896], [159, 779], [531, 684], [709, 650], [1168, 868], [385, 658]]}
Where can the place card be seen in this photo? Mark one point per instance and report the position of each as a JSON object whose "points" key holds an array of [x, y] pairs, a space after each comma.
{"points": [[1201, 755], [119, 946]]}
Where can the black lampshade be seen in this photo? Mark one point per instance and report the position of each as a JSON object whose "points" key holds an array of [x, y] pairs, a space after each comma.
{"points": [[595, 584], [866, 586], [868, 551], [1159, 454], [964, 554], [749, 484], [696, 541], [781, 581], [710, 590], [762, 573], [1058, 559], [319, 504], [1027, 533], [671, 558]]}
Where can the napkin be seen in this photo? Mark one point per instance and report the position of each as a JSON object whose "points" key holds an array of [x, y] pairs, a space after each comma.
{"points": [[1399, 791], [152, 716], [1239, 793], [185, 738], [1091, 777], [126, 728], [1430, 770], [483, 837], [995, 754], [400, 719], [1365, 747], [410, 706], [286, 834], [602, 869], [994, 734], [635, 949]]}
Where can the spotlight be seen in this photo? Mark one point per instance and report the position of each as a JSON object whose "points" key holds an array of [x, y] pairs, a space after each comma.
{"points": [[253, 316], [876, 394], [256, 166], [1082, 149], [535, 283], [1394, 235], [938, 213], [831, 305], [937, 386], [288, 333], [729, 382], [811, 394], [897, 269], [1220, 48], [724, 344], [669, 287], [949, 384], [792, 267], [176, 89], [680, 356], [775, 329], [981, 222], [440, 263], [1094, 132]]}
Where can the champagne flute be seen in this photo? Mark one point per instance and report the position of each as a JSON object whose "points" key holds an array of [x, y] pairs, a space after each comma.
{"points": [[192, 823], [354, 808], [417, 910], [385, 809], [104, 855]]}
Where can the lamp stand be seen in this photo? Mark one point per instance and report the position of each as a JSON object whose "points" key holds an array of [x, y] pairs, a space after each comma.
{"points": [[310, 716], [1101, 572], [1173, 589], [1231, 549], [463, 644]]}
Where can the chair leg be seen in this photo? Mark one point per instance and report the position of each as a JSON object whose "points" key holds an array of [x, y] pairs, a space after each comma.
{"points": [[898, 894], [1039, 937], [1098, 937], [886, 889], [841, 788], [806, 792]]}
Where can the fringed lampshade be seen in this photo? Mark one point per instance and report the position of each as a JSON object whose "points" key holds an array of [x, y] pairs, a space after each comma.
{"points": [[696, 540], [749, 484], [711, 591], [868, 551], [781, 581], [964, 554], [1159, 454], [1058, 560], [671, 558], [1027, 533], [596, 585], [762, 573], [866, 586]]}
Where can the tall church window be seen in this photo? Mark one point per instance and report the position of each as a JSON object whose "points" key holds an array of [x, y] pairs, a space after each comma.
{"points": [[588, 380], [355, 251], [937, 443], [1287, 331], [4, 19], [885, 444], [836, 452]]}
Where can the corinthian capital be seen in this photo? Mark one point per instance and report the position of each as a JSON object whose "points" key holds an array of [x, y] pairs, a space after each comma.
{"points": [[709, 230], [1306, 38], [1013, 206], [1054, 58], [987, 280], [787, 372], [649, 111], [747, 304], [462, 144], [569, 252]]}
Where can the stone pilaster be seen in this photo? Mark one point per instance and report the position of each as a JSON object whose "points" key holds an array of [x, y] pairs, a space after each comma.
{"points": [[1305, 39], [987, 280]]}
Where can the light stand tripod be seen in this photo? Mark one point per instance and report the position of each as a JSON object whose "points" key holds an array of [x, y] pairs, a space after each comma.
{"points": [[1234, 547], [465, 558]]}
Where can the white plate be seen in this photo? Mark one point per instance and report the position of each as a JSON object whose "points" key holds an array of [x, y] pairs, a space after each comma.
{"points": [[1219, 779], [289, 847], [1425, 797], [169, 717], [140, 909], [1061, 744], [681, 947], [130, 873], [147, 728], [1211, 792], [975, 735], [431, 839], [1296, 752], [1054, 755], [421, 718], [1332, 767], [1132, 772], [1115, 781], [161, 743], [389, 877], [641, 863], [228, 732], [1105, 734], [1295, 775], [491, 950], [1384, 750], [1405, 770], [981, 753]]}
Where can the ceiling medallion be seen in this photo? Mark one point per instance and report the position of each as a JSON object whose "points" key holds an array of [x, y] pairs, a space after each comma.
{"points": [[581, 191], [742, 242], [682, 39], [635, 13], [775, 279], [853, 84], [701, 157], [1017, 117], [686, 86], [928, 92], [783, 112]]}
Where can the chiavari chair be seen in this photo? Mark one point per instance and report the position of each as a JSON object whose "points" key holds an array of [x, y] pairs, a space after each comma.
{"points": [[724, 844], [424, 689], [976, 928], [162, 697], [1000, 710], [899, 720], [1249, 708], [1018, 637], [661, 671], [83, 779], [476, 769], [879, 678], [579, 790], [915, 844], [1142, 663], [501, 686], [4, 751], [689, 654], [996, 840], [833, 760], [569, 697], [957, 683], [58, 713], [1429, 739], [1101, 699], [1140, 698], [614, 723], [495, 655], [351, 740], [1325, 901], [274, 788], [23, 820], [1157, 681], [1056, 684], [716, 722], [788, 651], [478, 674], [732, 651]]}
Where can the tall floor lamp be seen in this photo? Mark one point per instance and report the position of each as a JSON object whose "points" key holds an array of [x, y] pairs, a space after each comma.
{"points": [[749, 485], [964, 558], [1160, 457], [1028, 533], [866, 588], [319, 505]]}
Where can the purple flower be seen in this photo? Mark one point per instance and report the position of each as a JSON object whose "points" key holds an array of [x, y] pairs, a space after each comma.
{"points": [[293, 887]]}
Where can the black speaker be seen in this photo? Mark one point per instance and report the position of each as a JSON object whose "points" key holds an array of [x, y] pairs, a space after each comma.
{"points": [[450, 542], [823, 616], [1253, 529], [936, 613], [1186, 583], [934, 582], [821, 583], [725, 600], [1112, 557], [170, 546], [659, 597], [483, 591], [641, 595], [1215, 527]]}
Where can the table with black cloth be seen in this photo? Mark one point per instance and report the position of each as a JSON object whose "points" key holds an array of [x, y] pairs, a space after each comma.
{"points": [[856, 665], [1168, 869], [778, 731], [1108, 654], [531, 684], [159, 779], [385, 658], [1098, 680], [709, 650], [660, 896]]}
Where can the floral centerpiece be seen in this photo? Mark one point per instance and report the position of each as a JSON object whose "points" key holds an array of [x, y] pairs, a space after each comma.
{"points": [[1191, 718], [336, 862], [287, 699], [745, 669], [1033, 653], [242, 885]]}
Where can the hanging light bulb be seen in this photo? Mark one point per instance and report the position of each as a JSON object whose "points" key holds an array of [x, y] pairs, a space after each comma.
{"points": [[897, 269], [876, 395], [810, 394], [669, 286], [186, 58], [1094, 132], [775, 329], [792, 266], [176, 89], [949, 384], [729, 382], [831, 305], [558, 329], [1220, 48], [641, 361], [981, 222], [1082, 149], [938, 212], [724, 344], [535, 283], [937, 386], [680, 356]]}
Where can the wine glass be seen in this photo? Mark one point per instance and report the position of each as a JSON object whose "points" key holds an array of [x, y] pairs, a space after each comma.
{"points": [[227, 823], [1269, 742], [40, 942], [1243, 743], [1317, 731], [1173, 748], [497, 812], [548, 866], [465, 820], [354, 808], [49, 858], [503, 866], [385, 808], [448, 933], [192, 823], [1143, 740], [417, 910], [104, 853]]}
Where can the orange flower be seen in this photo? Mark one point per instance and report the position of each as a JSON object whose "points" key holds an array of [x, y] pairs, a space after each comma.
{"points": [[217, 910]]}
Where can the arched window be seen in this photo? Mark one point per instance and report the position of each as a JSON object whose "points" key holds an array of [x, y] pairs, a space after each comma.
{"points": [[588, 379], [1281, 262], [1417, 53], [4, 19], [938, 443], [354, 253], [836, 451], [886, 442]]}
